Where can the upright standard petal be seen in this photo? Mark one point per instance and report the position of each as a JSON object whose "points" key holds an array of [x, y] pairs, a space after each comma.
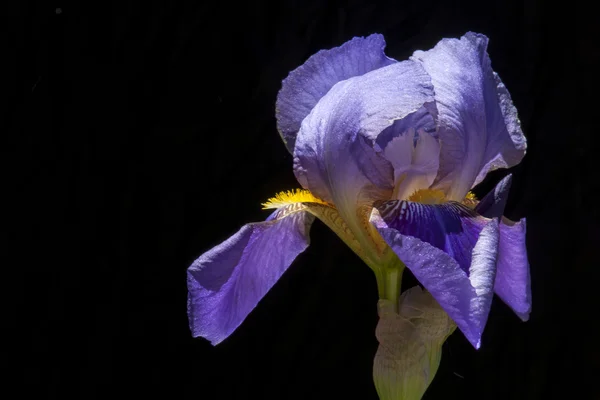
{"points": [[478, 124], [228, 281], [434, 242], [335, 156], [513, 282], [415, 158], [307, 84]]}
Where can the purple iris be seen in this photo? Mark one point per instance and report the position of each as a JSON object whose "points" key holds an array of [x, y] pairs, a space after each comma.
{"points": [[387, 153]]}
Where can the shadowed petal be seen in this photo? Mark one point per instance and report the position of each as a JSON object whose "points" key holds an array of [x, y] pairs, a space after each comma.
{"points": [[375, 167], [228, 281], [465, 295], [478, 124], [305, 86], [492, 205]]}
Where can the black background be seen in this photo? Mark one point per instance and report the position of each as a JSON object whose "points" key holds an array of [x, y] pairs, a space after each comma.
{"points": [[140, 134]]}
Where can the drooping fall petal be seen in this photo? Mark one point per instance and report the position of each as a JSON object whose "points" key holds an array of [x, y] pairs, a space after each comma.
{"points": [[513, 282], [451, 227], [228, 281], [465, 294]]}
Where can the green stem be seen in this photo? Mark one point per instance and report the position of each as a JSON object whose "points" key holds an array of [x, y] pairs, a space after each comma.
{"points": [[389, 277], [392, 284]]}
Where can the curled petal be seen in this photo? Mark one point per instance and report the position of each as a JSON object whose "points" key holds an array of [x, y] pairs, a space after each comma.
{"points": [[305, 86], [228, 281], [492, 205], [478, 124], [464, 293]]}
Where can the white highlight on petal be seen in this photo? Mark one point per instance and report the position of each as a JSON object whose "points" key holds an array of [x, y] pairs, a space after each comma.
{"points": [[481, 280], [415, 158]]}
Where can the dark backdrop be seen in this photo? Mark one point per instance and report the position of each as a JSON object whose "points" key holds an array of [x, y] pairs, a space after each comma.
{"points": [[140, 134]]}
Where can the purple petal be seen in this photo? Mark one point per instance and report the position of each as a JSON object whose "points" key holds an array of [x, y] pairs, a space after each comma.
{"points": [[331, 158], [465, 296], [307, 84], [513, 283], [228, 281], [424, 119], [493, 203], [478, 124], [450, 227]]}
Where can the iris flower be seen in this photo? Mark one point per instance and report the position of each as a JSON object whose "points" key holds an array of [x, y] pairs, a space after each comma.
{"points": [[386, 153]]}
